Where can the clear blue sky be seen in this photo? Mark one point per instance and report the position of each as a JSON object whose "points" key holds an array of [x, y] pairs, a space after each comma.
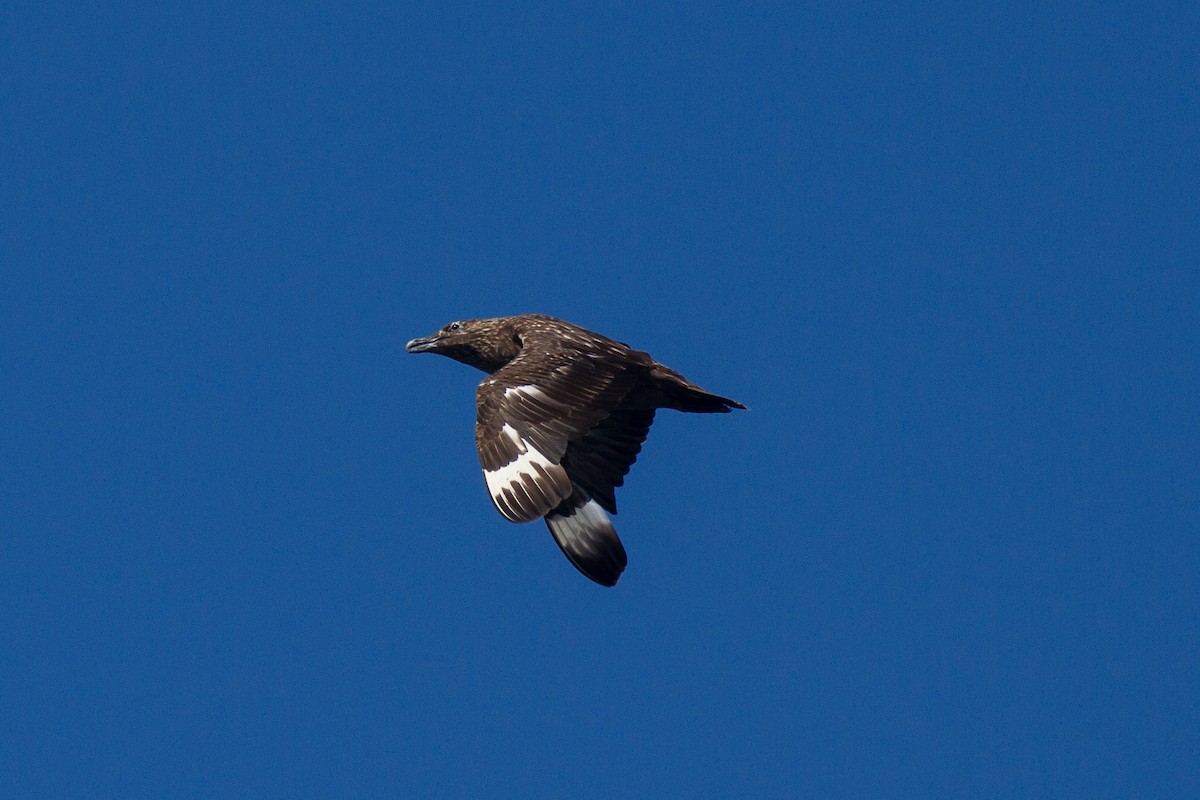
{"points": [[949, 257]]}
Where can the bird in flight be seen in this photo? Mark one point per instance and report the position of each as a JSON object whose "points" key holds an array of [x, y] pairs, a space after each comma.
{"points": [[560, 419]]}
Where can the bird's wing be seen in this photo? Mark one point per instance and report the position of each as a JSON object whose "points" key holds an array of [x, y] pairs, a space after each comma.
{"points": [[599, 461], [596, 464], [535, 411]]}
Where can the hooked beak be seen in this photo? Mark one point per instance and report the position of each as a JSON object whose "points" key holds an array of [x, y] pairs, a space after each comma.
{"points": [[422, 345]]}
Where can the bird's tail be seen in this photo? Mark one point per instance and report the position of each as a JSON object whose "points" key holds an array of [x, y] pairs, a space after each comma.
{"points": [[677, 392], [587, 538]]}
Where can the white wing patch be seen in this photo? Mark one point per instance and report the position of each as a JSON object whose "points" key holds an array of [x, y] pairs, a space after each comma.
{"points": [[580, 525], [533, 397], [528, 486], [529, 390], [511, 433]]}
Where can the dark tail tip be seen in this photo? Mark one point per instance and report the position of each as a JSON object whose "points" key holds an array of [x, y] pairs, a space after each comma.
{"points": [[699, 401]]}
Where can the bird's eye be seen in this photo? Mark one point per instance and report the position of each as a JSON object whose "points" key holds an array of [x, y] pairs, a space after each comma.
{"points": [[453, 326]]}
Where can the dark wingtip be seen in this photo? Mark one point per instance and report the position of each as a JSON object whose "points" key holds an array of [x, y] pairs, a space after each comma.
{"points": [[604, 564], [589, 541], [604, 575]]}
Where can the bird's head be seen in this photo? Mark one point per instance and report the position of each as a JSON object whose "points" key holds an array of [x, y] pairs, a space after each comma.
{"points": [[486, 344]]}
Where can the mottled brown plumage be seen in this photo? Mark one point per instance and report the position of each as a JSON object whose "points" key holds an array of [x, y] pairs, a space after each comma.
{"points": [[560, 420]]}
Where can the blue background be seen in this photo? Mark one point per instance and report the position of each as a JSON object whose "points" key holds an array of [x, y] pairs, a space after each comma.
{"points": [[948, 256]]}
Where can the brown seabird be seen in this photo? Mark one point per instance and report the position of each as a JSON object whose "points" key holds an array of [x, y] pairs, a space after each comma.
{"points": [[560, 420]]}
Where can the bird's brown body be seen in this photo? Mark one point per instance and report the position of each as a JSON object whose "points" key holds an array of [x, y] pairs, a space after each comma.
{"points": [[561, 419]]}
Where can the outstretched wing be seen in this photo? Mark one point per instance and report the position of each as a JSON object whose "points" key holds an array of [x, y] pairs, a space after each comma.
{"points": [[530, 413], [556, 436], [599, 461], [587, 538]]}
